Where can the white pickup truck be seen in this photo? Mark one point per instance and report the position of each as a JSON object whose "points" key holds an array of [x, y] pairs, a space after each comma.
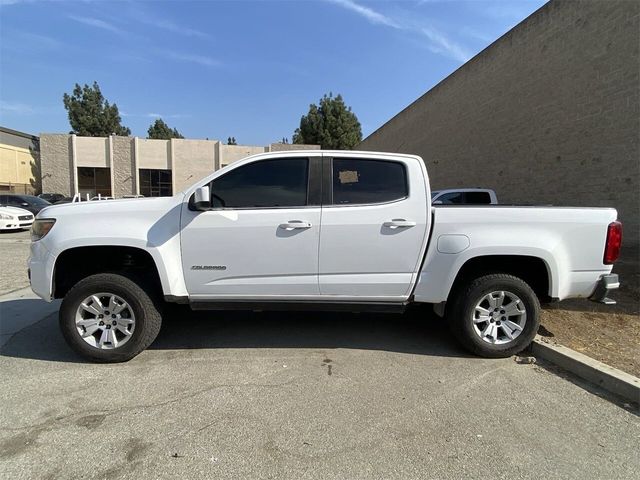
{"points": [[315, 230]]}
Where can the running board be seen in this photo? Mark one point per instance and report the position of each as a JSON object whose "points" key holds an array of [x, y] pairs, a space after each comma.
{"points": [[293, 305]]}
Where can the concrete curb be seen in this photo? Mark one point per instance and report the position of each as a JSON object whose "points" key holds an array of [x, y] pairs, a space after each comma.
{"points": [[611, 379]]}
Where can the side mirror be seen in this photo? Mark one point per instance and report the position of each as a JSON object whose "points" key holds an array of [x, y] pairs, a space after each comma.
{"points": [[24, 204], [202, 199], [437, 202]]}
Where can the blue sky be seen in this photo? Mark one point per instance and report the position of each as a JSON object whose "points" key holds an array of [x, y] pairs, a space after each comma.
{"points": [[247, 69]]}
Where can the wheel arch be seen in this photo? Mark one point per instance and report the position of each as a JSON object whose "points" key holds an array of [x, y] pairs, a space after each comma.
{"points": [[76, 263], [533, 270]]}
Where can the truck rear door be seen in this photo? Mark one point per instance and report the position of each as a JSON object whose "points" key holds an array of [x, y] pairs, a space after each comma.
{"points": [[375, 220]]}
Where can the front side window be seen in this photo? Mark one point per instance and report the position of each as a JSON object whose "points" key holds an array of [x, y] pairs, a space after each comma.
{"points": [[263, 184], [357, 181]]}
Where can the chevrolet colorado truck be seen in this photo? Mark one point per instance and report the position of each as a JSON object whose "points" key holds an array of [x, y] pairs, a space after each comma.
{"points": [[332, 230]]}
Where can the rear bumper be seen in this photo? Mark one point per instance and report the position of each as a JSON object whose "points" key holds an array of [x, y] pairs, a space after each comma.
{"points": [[605, 284]]}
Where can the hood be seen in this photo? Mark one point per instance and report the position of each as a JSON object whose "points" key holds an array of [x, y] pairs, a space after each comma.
{"points": [[15, 211], [123, 206]]}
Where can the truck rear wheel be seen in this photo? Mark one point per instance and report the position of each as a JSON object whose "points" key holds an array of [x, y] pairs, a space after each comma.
{"points": [[109, 318], [495, 315]]}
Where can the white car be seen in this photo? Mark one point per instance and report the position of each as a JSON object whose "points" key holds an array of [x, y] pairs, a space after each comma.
{"points": [[318, 230], [14, 218]]}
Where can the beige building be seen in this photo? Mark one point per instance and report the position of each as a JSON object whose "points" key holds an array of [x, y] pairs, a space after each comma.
{"points": [[18, 161], [547, 114], [118, 166]]}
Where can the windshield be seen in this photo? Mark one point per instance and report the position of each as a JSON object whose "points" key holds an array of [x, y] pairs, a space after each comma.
{"points": [[36, 201]]}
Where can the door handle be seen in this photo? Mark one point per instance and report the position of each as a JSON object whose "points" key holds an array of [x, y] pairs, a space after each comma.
{"points": [[295, 225], [399, 223]]}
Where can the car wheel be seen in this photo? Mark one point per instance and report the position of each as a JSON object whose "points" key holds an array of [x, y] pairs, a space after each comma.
{"points": [[110, 317], [495, 315]]}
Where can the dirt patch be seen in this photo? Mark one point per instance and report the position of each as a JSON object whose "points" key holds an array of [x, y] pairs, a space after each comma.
{"points": [[610, 334]]}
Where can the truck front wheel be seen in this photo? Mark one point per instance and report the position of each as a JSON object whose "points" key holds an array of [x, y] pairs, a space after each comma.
{"points": [[495, 315], [109, 318]]}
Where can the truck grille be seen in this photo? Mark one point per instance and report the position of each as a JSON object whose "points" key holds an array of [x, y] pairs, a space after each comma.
{"points": [[25, 217]]}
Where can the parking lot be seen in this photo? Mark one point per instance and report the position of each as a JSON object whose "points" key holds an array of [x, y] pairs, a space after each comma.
{"points": [[292, 395]]}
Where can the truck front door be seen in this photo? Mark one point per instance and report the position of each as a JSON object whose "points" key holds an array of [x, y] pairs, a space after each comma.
{"points": [[260, 239]]}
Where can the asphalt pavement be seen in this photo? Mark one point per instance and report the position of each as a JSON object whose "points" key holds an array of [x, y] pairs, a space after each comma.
{"points": [[296, 395], [14, 251]]}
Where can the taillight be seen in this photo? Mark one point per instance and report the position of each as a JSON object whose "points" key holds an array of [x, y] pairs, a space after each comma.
{"points": [[614, 240]]}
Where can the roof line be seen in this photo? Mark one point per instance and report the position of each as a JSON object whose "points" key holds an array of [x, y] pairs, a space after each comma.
{"points": [[18, 133]]}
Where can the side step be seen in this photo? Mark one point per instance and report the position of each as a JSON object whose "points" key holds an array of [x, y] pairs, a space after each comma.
{"points": [[381, 307]]}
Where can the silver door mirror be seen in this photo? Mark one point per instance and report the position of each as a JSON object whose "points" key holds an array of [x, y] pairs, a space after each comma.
{"points": [[202, 198], [438, 202]]}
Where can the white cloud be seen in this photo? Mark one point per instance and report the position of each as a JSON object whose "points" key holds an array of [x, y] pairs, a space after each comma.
{"points": [[370, 14], [510, 11], [477, 35], [97, 23], [13, 2], [193, 58], [173, 27], [155, 115], [443, 45], [39, 40], [438, 42], [16, 108]]}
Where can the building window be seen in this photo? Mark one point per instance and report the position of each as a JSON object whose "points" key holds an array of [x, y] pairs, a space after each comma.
{"points": [[155, 183], [94, 181]]}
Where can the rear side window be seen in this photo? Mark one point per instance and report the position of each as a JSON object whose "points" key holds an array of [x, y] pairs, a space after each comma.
{"points": [[264, 184], [453, 198], [478, 198], [358, 181]]}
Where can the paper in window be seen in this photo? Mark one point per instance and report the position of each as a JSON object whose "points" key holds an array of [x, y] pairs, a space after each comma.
{"points": [[348, 176]]}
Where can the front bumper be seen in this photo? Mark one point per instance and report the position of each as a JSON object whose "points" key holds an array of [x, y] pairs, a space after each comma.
{"points": [[40, 269], [15, 224], [605, 285]]}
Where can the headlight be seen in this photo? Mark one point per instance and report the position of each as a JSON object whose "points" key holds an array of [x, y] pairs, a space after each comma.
{"points": [[40, 227], [4, 216]]}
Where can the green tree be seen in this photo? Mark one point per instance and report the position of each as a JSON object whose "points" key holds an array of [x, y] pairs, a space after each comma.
{"points": [[231, 141], [331, 124], [161, 131], [91, 115]]}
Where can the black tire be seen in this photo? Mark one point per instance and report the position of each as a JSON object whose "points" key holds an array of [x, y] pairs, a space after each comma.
{"points": [[144, 302], [460, 313]]}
